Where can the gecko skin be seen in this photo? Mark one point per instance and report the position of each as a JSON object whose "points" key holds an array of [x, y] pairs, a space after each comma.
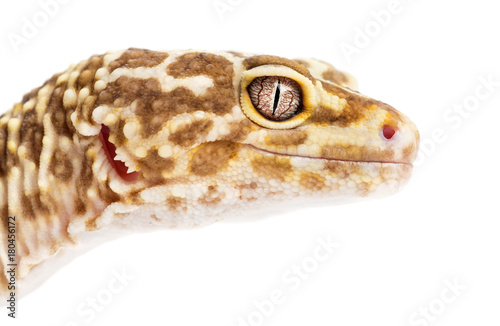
{"points": [[143, 140]]}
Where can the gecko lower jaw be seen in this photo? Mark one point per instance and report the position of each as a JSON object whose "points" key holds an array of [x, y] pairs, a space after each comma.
{"points": [[327, 158]]}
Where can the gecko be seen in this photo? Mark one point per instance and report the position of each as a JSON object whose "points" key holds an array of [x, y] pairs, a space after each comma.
{"points": [[138, 140]]}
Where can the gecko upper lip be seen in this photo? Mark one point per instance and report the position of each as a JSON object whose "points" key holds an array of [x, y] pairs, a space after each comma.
{"points": [[329, 158]]}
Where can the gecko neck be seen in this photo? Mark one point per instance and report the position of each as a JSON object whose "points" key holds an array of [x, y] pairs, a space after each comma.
{"points": [[46, 178]]}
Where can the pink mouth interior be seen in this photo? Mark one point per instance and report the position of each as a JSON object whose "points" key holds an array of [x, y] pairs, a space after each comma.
{"points": [[110, 149]]}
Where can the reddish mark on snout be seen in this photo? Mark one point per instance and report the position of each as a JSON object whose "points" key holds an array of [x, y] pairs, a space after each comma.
{"points": [[388, 132], [110, 150]]}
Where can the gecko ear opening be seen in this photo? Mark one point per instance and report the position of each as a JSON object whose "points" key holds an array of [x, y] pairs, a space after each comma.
{"points": [[110, 150]]}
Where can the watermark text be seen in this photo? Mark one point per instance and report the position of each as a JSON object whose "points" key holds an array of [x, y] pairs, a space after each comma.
{"points": [[427, 314], [32, 25], [292, 280]]}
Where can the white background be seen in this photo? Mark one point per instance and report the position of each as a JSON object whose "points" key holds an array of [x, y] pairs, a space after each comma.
{"points": [[396, 253]]}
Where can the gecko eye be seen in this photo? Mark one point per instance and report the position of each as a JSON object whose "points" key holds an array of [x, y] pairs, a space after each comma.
{"points": [[276, 98]]}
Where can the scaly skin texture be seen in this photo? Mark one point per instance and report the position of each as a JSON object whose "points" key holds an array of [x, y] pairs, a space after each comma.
{"points": [[184, 122]]}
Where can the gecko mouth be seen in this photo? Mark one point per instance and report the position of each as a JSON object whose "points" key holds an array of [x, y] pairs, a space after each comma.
{"points": [[330, 158], [122, 170], [110, 150]]}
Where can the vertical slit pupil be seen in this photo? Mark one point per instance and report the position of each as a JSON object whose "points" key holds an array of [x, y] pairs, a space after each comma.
{"points": [[277, 96]]}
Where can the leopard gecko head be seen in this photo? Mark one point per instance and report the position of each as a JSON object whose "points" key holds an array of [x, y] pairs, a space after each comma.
{"points": [[205, 135]]}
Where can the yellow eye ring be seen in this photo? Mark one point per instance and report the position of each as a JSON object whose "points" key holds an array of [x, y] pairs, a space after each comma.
{"points": [[308, 104]]}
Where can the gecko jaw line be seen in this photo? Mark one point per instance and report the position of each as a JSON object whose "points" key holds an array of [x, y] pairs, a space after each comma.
{"points": [[327, 158]]}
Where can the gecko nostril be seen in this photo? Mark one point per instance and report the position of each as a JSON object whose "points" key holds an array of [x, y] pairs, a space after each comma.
{"points": [[388, 132]]}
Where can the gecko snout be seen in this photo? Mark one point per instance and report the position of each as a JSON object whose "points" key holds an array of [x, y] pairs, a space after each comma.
{"points": [[401, 136]]}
